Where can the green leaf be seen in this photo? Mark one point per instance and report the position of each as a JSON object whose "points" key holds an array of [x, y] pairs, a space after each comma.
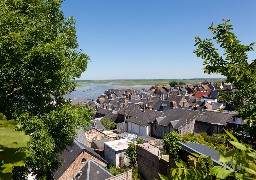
{"points": [[223, 173], [238, 145], [231, 136], [8, 167], [215, 170], [162, 177], [251, 171], [13, 139]]}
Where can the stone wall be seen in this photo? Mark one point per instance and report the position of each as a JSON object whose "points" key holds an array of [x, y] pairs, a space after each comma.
{"points": [[150, 162], [124, 176], [187, 128], [158, 131]]}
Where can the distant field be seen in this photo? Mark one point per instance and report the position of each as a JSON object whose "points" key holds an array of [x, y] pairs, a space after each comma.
{"points": [[145, 81]]}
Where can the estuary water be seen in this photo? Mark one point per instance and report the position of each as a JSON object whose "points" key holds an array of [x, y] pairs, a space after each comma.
{"points": [[93, 91]]}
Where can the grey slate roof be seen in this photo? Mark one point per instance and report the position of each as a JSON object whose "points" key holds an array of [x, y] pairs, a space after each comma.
{"points": [[93, 171], [154, 100], [80, 137], [67, 157], [93, 153], [100, 143], [144, 118], [96, 123], [214, 94], [214, 117], [103, 111], [175, 98], [111, 116], [130, 109], [216, 105], [177, 117], [202, 149]]}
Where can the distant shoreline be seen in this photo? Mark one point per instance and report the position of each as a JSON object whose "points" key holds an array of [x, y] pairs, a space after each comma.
{"points": [[134, 82]]}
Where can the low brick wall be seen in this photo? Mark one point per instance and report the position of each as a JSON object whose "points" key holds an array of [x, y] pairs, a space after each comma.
{"points": [[150, 162], [124, 176]]}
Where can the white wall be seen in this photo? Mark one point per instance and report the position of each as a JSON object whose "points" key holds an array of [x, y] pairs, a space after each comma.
{"points": [[140, 130], [129, 127]]}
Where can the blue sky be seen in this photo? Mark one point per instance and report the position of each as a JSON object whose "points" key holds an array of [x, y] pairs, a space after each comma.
{"points": [[152, 39]]}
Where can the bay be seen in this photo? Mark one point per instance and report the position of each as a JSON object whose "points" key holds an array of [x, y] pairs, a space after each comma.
{"points": [[93, 91]]}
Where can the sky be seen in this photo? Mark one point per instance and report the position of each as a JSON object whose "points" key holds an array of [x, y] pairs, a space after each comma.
{"points": [[152, 39]]}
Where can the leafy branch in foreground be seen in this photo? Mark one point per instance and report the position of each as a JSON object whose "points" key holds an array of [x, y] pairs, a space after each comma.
{"points": [[234, 64], [12, 143], [242, 159]]}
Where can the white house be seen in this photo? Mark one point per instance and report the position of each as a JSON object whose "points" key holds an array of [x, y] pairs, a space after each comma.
{"points": [[141, 130], [140, 123], [114, 152]]}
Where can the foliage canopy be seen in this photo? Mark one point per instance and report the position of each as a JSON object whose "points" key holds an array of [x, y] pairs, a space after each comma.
{"points": [[39, 56]]}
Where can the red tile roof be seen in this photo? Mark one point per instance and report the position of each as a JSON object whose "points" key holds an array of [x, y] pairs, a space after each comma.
{"points": [[201, 94]]}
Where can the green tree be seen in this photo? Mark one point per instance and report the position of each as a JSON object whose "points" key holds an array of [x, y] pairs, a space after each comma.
{"points": [[231, 61], [39, 58], [173, 83], [171, 144], [109, 124], [132, 154], [12, 143]]}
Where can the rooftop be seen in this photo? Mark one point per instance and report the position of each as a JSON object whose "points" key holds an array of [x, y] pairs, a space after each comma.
{"points": [[118, 145]]}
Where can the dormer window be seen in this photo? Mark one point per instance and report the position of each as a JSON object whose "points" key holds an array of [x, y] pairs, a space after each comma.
{"points": [[83, 161]]}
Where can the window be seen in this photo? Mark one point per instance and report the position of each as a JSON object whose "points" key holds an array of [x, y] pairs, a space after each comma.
{"points": [[83, 161]]}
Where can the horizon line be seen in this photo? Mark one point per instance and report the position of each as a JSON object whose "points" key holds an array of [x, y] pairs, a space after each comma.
{"points": [[144, 79]]}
